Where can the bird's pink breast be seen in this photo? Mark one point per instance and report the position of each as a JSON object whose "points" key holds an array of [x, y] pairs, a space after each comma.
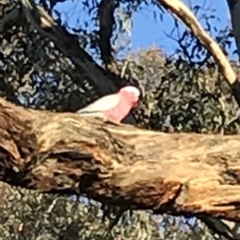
{"points": [[120, 111]]}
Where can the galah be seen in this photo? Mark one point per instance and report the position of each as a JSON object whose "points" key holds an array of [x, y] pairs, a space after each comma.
{"points": [[113, 107]]}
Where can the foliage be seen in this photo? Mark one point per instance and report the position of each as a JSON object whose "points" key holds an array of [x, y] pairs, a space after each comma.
{"points": [[185, 97], [179, 93], [29, 214]]}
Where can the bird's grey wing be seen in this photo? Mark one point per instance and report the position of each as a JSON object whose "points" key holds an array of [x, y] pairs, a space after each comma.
{"points": [[103, 104]]}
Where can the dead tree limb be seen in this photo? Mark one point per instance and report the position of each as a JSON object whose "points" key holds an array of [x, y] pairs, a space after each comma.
{"points": [[120, 164]]}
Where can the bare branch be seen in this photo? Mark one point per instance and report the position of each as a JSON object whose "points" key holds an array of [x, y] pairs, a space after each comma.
{"points": [[120, 164], [68, 45], [181, 11], [106, 22]]}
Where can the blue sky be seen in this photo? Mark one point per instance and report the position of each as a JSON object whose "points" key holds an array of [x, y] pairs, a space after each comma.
{"points": [[153, 32], [148, 29]]}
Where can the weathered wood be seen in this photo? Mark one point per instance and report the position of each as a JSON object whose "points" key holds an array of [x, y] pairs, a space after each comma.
{"points": [[120, 164]]}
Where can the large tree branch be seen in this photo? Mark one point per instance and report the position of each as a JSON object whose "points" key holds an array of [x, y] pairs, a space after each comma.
{"points": [[117, 164]]}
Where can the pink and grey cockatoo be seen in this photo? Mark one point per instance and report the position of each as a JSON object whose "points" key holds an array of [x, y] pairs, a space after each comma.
{"points": [[113, 107]]}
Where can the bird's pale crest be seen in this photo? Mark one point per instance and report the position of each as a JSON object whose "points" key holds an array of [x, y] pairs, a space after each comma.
{"points": [[130, 89]]}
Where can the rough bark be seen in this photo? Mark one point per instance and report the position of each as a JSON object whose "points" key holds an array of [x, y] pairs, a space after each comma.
{"points": [[120, 164]]}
